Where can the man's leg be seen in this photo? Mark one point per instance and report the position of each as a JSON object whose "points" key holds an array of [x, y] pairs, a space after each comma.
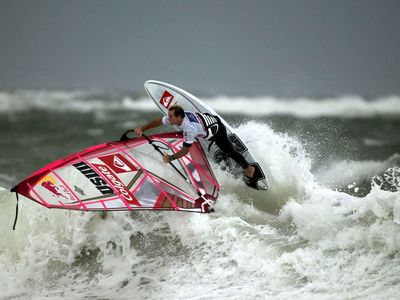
{"points": [[222, 141]]}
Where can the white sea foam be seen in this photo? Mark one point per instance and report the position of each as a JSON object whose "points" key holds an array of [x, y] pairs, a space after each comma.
{"points": [[373, 142], [95, 101], [349, 171], [322, 244], [346, 106]]}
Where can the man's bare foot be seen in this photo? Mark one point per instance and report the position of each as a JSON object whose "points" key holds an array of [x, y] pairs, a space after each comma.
{"points": [[250, 171]]}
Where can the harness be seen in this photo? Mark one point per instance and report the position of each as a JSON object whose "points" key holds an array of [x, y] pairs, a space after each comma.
{"points": [[210, 124]]}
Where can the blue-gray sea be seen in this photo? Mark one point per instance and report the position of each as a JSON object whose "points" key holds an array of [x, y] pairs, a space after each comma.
{"points": [[328, 228]]}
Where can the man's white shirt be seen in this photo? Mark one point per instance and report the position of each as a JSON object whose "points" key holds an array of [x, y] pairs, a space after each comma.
{"points": [[191, 126]]}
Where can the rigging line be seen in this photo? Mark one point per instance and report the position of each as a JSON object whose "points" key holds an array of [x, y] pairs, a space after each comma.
{"points": [[16, 209], [151, 142], [187, 180], [146, 172]]}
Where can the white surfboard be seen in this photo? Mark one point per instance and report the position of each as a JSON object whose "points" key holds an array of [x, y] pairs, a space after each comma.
{"points": [[165, 95]]}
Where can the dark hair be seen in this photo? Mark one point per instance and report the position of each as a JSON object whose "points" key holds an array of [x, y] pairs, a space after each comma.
{"points": [[178, 110]]}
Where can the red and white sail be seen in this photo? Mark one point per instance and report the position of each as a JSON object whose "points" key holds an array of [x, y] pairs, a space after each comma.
{"points": [[126, 175]]}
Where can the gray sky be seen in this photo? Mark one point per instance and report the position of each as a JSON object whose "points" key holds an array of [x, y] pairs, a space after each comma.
{"points": [[282, 48]]}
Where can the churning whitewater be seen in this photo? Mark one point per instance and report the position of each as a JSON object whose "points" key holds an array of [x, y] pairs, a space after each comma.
{"points": [[327, 228]]}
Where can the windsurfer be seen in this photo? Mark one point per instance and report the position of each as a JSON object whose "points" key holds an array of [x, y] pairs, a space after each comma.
{"points": [[196, 125]]}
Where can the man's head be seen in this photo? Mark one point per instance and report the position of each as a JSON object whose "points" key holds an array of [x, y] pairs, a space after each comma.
{"points": [[176, 115]]}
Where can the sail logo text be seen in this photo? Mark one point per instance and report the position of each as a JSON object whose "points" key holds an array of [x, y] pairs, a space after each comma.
{"points": [[94, 178], [57, 190], [118, 185]]}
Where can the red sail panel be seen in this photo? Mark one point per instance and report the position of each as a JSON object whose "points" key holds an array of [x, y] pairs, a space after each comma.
{"points": [[126, 175]]}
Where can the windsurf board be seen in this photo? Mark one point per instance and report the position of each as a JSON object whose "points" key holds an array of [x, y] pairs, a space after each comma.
{"points": [[165, 95]]}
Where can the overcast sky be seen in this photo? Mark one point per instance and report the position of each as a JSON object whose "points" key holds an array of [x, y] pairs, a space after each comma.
{"points": [[282, 48]]}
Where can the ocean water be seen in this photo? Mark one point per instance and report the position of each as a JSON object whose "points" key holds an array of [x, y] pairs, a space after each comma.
{"points": [[328, 228]]}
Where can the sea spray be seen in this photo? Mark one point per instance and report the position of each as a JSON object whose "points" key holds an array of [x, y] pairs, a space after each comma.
{"points": [[302, 239]]}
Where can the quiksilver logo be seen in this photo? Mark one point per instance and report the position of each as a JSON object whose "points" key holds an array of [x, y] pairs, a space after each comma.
{"points": [[120, 164], [166, 99]]}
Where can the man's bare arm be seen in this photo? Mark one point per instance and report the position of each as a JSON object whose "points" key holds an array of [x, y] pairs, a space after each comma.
{"points": [[182, 152], [153, 124]]}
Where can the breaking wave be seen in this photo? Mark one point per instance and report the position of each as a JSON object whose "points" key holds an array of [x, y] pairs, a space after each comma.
{"points": [[300, 239], [95, 101], [352, 172]]}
